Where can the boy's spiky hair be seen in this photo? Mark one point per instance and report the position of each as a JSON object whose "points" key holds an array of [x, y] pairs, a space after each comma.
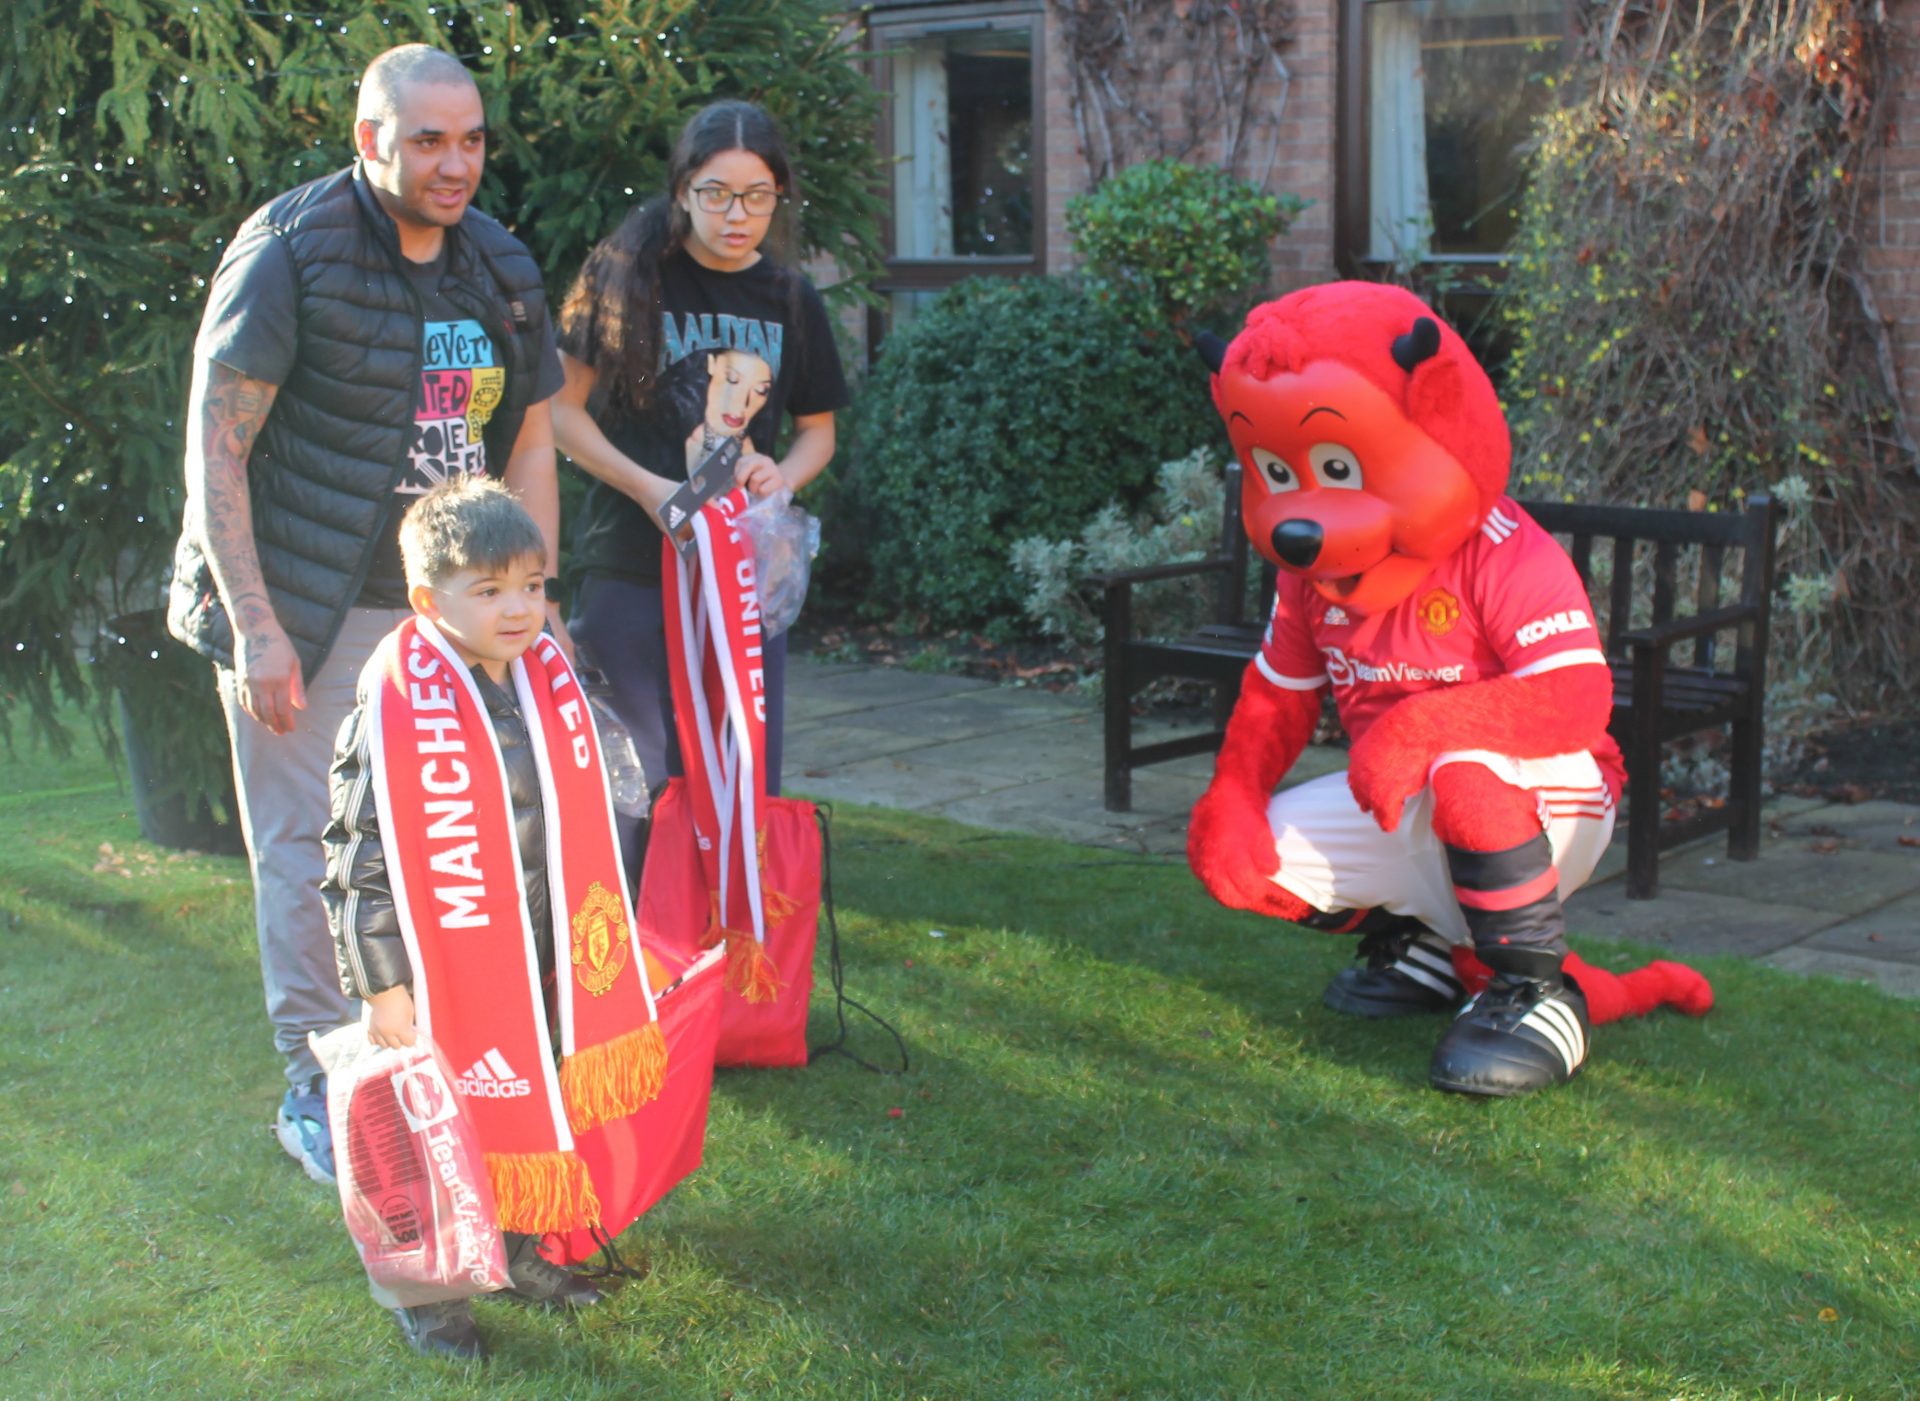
{"points": [[466, 523]]}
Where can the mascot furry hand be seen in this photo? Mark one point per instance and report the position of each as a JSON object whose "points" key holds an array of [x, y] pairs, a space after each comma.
{"points": [[1466, 669]]}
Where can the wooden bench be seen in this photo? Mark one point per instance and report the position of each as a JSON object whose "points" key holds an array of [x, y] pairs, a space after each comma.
{"points": [[1650, 605], [1215, 653], [1655, 697]]}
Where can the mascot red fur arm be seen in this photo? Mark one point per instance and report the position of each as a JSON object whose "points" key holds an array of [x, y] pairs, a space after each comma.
{"points": [[1466, 669]]}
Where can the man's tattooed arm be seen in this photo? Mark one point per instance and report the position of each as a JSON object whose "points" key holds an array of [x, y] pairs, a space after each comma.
{"points": [[224, 419]]}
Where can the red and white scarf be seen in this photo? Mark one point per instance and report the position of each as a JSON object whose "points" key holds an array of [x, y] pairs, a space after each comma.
{"points": [[447, 831], [714, 634]]}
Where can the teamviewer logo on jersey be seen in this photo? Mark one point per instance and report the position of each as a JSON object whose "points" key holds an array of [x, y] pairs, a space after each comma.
{"points": [[491, 1077]]}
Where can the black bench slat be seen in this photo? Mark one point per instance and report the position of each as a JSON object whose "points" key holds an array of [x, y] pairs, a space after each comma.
{"points": [[1620, 602], [1643, 522]]}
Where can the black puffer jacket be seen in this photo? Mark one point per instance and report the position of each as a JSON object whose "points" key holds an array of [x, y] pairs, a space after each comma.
{"points": [[322, 474], [367, 945]]}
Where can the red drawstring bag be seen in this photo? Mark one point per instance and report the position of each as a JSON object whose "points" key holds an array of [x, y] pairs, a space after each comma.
{"points": [[637, 1160], [675, 908], [726, 864]]}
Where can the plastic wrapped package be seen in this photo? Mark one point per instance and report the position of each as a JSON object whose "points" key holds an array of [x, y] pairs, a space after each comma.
{"points": [[626, 783], [626, 780], [413, 1180], [785, 540]]}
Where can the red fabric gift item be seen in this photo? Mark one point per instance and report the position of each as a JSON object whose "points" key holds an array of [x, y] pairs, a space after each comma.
{"points": [[637, 1160], [726, 864]]}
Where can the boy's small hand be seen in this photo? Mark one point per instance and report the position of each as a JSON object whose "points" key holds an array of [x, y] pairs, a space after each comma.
{"points": [[390, 1018]]}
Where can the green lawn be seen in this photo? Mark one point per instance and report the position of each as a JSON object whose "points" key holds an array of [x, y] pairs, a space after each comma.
{"points": [[1137, 1159]]}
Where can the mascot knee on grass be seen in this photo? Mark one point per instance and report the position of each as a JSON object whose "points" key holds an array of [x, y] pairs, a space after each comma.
{"points": [[1466, 669]]}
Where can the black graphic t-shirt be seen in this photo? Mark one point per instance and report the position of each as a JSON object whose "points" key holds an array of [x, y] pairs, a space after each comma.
{"points": [[462, 380], [738, 351]]}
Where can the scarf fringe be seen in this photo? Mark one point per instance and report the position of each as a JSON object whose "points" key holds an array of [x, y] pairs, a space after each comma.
{"points": [[599, 1084], [535, 1193], [749, 971]]}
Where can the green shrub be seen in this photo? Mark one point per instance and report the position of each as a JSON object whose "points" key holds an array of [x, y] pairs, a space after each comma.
{"points": [[1181, 522], [1008, 409], [1170, 244]]}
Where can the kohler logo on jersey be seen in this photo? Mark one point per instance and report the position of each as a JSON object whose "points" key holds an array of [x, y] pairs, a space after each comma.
{"points": [[1567, 620]]}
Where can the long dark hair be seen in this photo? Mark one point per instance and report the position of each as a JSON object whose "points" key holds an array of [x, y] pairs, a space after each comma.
{"points": [[613, 309]]}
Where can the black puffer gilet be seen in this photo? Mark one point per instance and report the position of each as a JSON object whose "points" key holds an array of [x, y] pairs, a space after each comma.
{"points": [[322, 473]]}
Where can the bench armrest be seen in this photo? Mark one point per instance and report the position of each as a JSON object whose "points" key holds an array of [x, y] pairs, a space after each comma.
{"points": [[1127, 578], [1661, 636]]}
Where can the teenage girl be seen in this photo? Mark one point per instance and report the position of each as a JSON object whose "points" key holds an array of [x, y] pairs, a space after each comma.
{"points": [[677, 333]]}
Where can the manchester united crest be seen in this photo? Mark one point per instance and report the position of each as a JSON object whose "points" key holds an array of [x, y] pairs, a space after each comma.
{"points": [[599, 940], [1438, 612]]}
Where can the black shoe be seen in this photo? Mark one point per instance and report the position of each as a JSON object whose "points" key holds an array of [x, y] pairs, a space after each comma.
{"points": [[442, 1330], [1409, 971], [538, 1280], [1520, 1035]]}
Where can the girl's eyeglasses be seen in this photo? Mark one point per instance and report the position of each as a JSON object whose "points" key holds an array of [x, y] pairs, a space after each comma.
{"points": [[718, 199]]}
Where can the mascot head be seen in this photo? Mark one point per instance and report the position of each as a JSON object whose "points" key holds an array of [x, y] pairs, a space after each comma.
{"points": [[1372, 444]]}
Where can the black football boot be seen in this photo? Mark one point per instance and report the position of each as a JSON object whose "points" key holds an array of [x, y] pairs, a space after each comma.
{"points": [[1409, 971], [537, 1280], [1529, 1028]]}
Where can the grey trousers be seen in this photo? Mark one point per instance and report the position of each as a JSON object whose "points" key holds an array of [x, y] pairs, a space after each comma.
{"points": [[281, 782]]}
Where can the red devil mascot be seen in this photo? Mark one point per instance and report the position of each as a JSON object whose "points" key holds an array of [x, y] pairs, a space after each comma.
{"points": [[1466, 668]]}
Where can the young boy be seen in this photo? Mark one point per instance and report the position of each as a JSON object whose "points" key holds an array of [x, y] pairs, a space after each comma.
{"points": [[447, 875]]}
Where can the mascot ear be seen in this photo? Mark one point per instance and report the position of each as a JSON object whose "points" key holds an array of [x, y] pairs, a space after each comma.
{"points": [[1436, 392], [1211, 349], [1421, 343]]}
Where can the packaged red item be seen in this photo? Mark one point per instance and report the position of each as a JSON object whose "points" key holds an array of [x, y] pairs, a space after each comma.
{"points": [[413, 1181]]}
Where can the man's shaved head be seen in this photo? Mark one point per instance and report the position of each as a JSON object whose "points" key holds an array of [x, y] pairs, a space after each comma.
{"points": [[397, 69]]}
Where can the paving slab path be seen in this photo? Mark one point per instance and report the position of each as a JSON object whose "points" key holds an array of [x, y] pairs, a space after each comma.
{"points": [[1835, 891]]}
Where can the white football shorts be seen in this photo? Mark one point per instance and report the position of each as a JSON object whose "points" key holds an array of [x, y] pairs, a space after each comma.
{"points": [[1335, 857]]}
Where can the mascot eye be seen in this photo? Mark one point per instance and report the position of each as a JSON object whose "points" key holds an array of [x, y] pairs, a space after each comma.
{"points": [[1335, 466], [1275, 473]]}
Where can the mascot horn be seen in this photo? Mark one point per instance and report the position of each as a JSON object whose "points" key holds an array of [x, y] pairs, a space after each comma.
{"points": [[1465, 666]]}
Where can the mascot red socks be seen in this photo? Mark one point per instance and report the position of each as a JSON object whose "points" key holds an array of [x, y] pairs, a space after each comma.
{"points": [[1466, 668]]}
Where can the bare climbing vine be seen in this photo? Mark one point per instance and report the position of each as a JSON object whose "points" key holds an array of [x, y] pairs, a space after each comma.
{"points": [[1201, 81], [1691, 316]]}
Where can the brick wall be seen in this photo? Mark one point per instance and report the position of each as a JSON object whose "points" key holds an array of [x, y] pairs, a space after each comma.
{"points": [[1892, 254], [1296, 158]]}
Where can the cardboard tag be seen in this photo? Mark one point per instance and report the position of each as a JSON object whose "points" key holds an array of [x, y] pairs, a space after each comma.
{"points": [[713, 476]]}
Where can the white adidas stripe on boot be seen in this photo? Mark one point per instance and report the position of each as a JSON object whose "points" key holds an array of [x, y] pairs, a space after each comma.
{"points": [[1518, 1036], [1404, 977]]}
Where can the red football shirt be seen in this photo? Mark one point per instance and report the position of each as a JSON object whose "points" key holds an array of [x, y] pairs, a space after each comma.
{"points": [[1507, 603]]}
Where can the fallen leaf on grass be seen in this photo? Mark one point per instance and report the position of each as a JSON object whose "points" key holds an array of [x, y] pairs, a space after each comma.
{"points": [[1824, 846], [1829, 1315], [1906, 840]]}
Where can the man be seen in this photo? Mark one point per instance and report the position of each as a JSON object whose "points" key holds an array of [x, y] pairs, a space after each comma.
{"points": [[367, 335]]}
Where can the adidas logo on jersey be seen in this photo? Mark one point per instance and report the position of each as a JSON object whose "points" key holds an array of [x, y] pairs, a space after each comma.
{"points": [[1336, 616], [491, 1077]]}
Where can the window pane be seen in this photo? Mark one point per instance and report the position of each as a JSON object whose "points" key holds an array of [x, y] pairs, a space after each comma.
{"points": [[963, 133], [1452, 89]]}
